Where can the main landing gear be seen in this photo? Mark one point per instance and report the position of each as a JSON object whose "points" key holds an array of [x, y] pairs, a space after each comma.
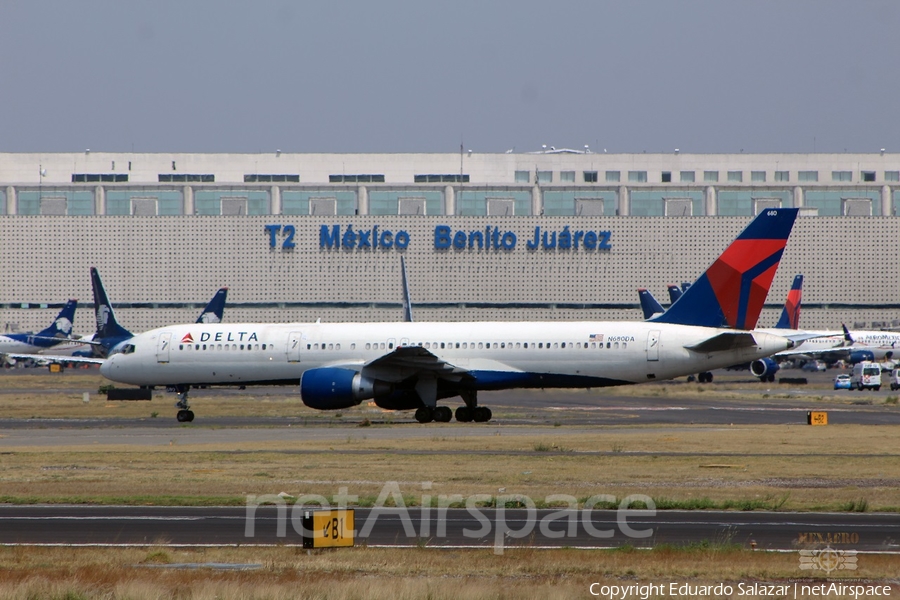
{"points": [[464, 414], [185, 414]]}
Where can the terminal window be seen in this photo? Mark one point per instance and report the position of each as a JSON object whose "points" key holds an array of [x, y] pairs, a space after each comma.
{"points": [[590, 176], [710, 176], [782, 176], [447, 178], [758, 176], [567, 176], [666, 176], [523, 177], [687, 177], [637, 176], [364, 178], [807, 176], [266, 178], [841, 176], [892, 175], [186, 178], [612, 177], [868, 175], [735, 176], [545, 176], [98, 177]]}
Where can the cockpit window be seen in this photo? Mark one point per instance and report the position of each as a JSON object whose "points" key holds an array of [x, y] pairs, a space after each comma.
{"points": [[128, 349]]}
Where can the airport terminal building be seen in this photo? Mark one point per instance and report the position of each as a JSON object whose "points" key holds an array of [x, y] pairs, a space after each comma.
{"points": [[557, 234]]}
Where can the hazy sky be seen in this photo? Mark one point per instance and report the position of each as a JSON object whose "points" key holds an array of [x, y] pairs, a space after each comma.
{"points": [[420, 76]]}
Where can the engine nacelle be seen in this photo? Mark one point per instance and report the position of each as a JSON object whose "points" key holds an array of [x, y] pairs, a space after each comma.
{"points": [[764, 368], [332, 388], [858, 356]]}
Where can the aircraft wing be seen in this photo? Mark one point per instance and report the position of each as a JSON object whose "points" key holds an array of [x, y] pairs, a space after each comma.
{"points": [[408, 361], [52, 358], [727, 340]]}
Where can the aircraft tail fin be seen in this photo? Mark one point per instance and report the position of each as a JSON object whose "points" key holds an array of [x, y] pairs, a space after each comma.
{"points": [[107, 326], [790, 315], [215, 309], [62, 324], [674, 293], [407, 300], [649, 305], [733, 289]]}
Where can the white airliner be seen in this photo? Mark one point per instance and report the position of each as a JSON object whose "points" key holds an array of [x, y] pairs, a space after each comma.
{"points": [[412, 365]]}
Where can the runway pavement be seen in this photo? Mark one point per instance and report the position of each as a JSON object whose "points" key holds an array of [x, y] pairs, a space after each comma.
{"points": [[481, 527]]}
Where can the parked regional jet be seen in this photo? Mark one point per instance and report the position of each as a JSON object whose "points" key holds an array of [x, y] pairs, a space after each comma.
{"points": [[58, 332], [412, 365]]}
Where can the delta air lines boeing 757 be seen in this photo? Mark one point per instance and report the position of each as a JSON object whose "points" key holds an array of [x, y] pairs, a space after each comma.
{"points": [[414, 365]]}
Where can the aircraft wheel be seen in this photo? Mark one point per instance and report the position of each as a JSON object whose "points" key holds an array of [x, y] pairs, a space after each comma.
{"points": [[464, 414], [877, 388], [443, 414], [424, 415], [482, 414], [772, 378], [182, 416], [190, 416]]}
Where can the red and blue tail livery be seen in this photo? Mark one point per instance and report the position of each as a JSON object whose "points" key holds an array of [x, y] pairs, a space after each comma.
{"points": [[790, 315], [733, 290]]}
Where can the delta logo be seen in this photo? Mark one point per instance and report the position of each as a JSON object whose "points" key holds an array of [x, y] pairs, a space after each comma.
{"points": [[187, 339]]}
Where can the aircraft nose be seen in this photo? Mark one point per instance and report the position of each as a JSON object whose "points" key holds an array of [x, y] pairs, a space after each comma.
{"points": [[107, 366]]}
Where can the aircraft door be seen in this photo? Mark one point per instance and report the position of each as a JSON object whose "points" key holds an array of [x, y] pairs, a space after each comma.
{"points": [[295, 342], [163, 347], [653, 345]]}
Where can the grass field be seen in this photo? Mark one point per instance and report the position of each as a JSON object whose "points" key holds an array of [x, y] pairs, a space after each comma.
{"points": [[797, 467], [287, 573]]}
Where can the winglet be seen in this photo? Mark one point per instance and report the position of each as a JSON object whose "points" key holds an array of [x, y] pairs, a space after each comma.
{"points": [[790, 315], [215, 309], [847, 337], [649, 305], [407, 301], [733, 289]]}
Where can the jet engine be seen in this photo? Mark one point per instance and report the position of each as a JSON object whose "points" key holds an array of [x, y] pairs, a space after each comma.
{"points": [[764, 368], [332, 388], [858, 356]]}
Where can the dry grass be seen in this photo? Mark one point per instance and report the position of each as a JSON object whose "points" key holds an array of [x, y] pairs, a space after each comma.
{"points": [[785, 466], [795, 467], [27, 573]]}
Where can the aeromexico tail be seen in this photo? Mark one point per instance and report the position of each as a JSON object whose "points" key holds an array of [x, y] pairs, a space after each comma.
{"points": [[413, 365], [110, 334], [58, 332]]}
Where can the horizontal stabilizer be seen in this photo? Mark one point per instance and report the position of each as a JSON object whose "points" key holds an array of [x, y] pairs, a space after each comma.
{"points": [[728, 340], [53, 358]]}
